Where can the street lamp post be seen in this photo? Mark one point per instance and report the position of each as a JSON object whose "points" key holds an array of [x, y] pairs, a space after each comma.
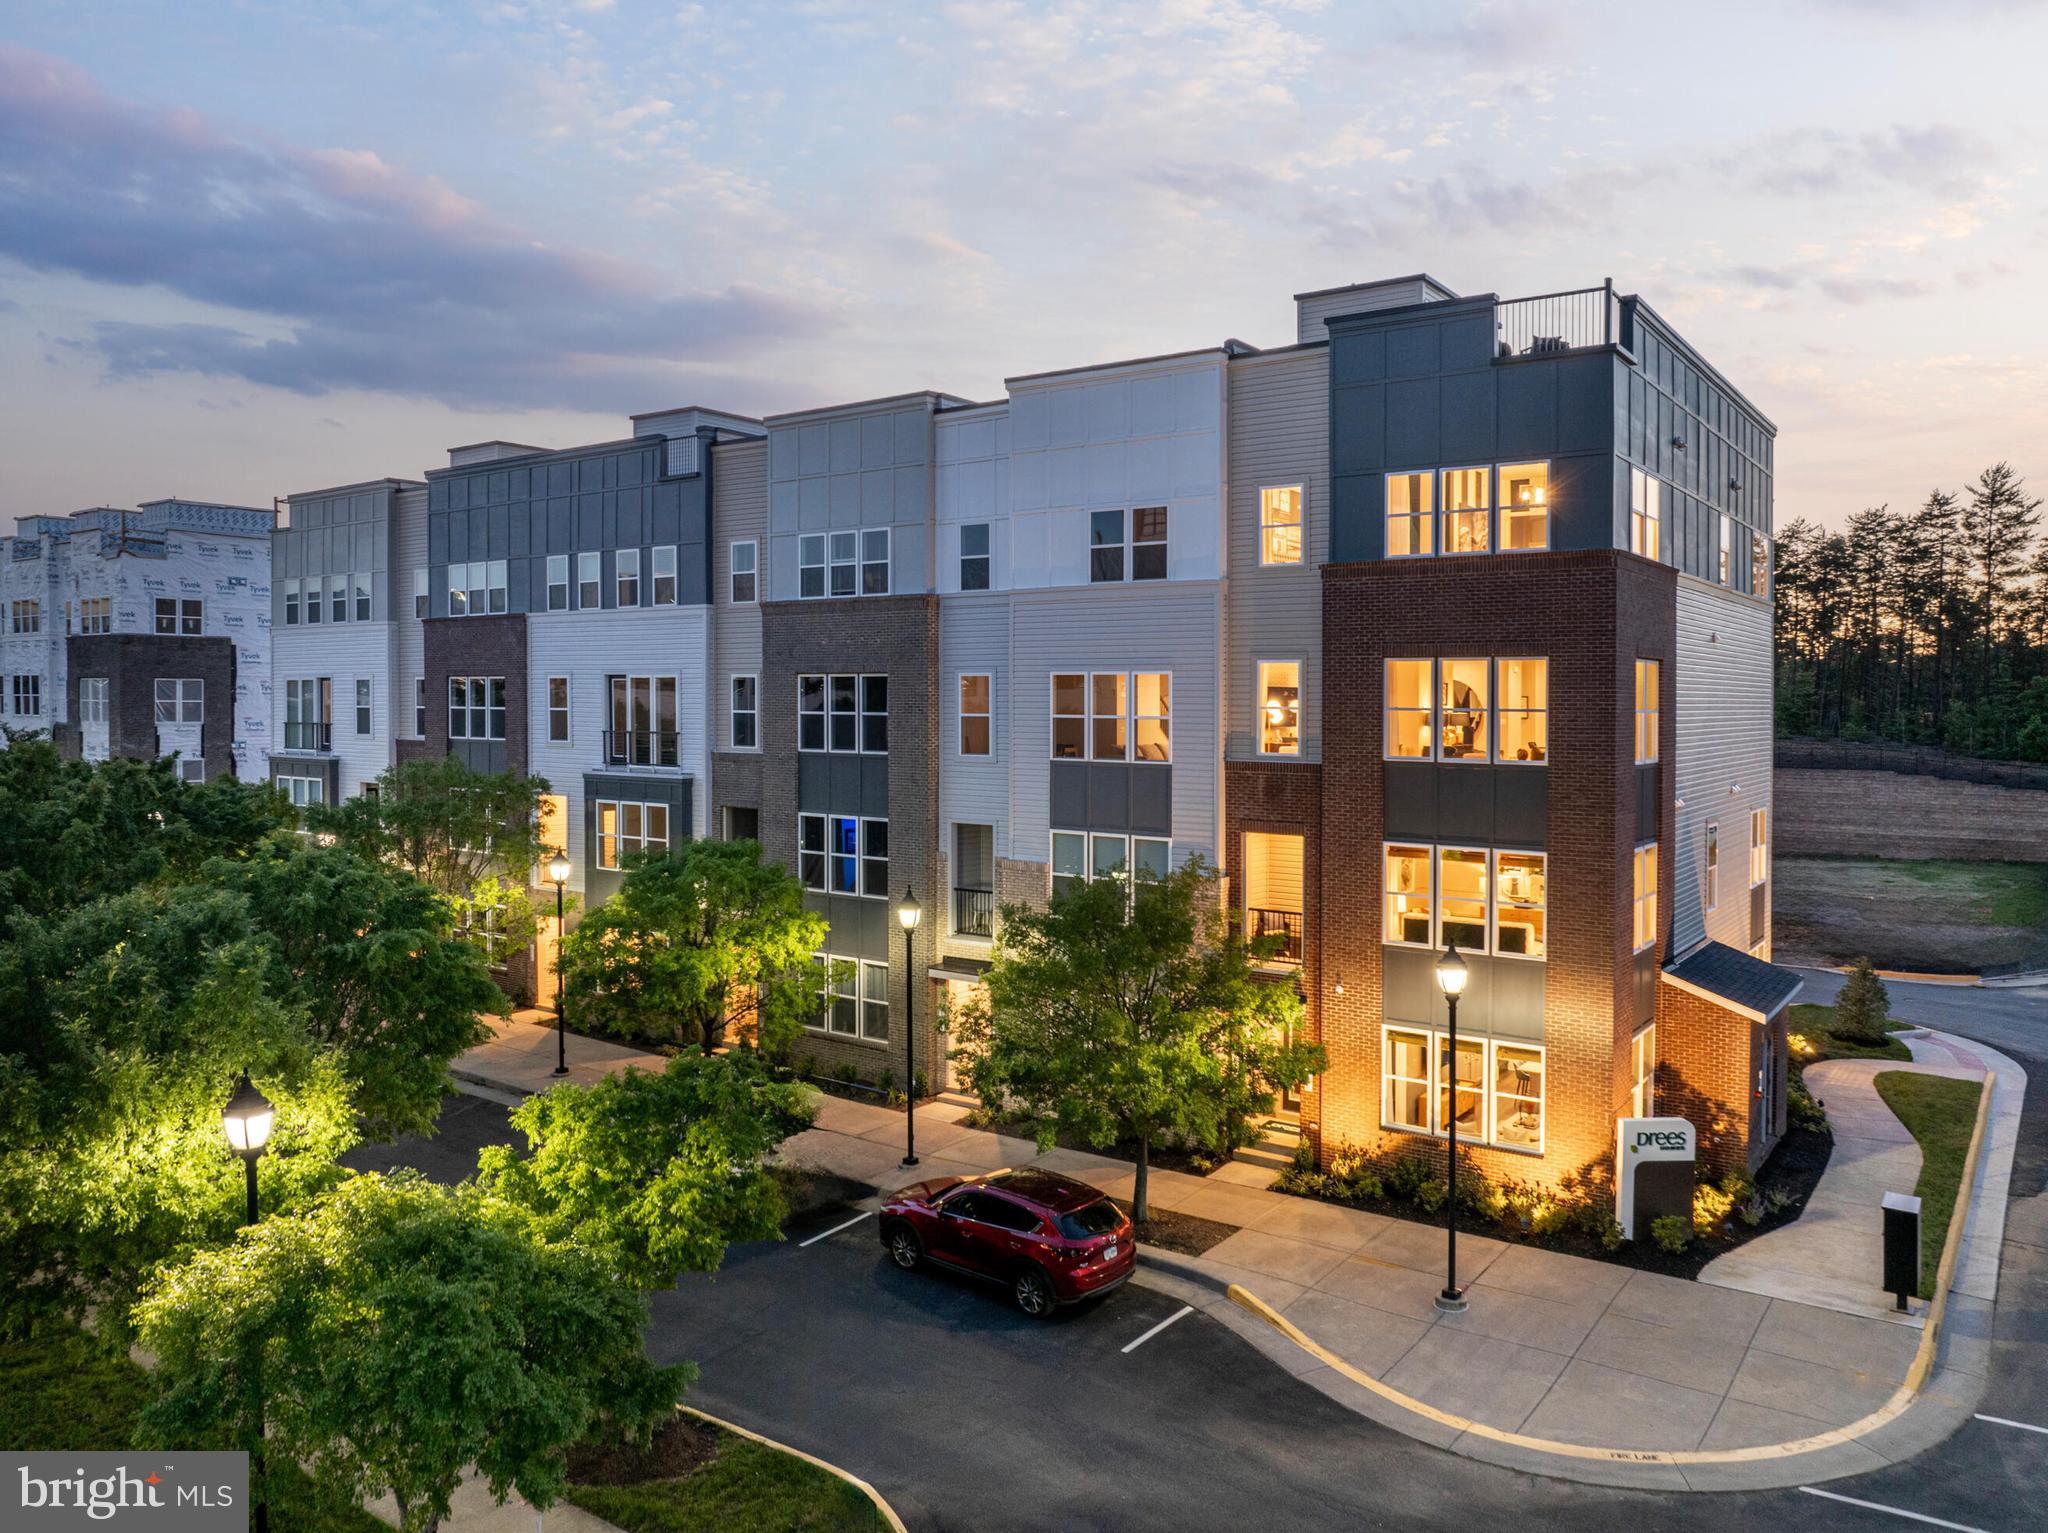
{"points": [[909, 913], [1451, 975], [558, 875], [247, 1120]]}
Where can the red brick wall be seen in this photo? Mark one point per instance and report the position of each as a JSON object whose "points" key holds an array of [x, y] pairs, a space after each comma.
{"points": [[1283, 798], [1592, 614], [1707, 1071]]}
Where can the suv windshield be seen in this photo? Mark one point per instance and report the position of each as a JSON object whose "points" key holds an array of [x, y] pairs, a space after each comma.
{"points": [[1086, 1223]]}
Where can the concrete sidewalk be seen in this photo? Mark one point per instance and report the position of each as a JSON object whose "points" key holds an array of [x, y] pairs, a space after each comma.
{"points": [[519, 1057]]}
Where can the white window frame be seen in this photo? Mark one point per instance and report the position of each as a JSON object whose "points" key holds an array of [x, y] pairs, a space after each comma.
{"points": [[751, 574], [187, 616], [589, 580], [1129, 717], [614, 844], [808, 545], [1759, 846], [662, 567], [1300, 664], [419, 707], [962, 715], [1445, 514], [470, 709], [1426, 519], [1645, 514], [96, 614], [874, 996], [557, 571], [1649, 719], [302, 790], [1727, 564], [1163, 544], [860, 714], [1500, 506], [1388, 894], [1642, 1065], [1494, 710], [92, 699], [337, 595], [1299, 526], [366, 708], [1122, 546], [986, 558], [563, 711], [842, 553], [734, 712], [186, 701], [1088, 843], [315, 604], [1436, 860], [870, 563], [27, 614], [361, 586], [192, 769], [625, 578], [822, 852], [1489, 1045], [1710, 861], [289, 588], [1498, 903], [422, 588], [1643, 902]]}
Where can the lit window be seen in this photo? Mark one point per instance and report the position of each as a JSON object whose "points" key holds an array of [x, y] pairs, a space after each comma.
{"points": [[1642, 1059], [1405, 1069], [1408, 896], [1494, 1089], [1463, 689], [1467, 1079], [1646, 712], [589, 581], [746, 717], [1280, 707], [1106, 715], [626, 576], [1524, 506], [845, 563], [664, 571], [558, 582], [1519, 929], [1523, 705], [974, 557], [1468, 510], [1461, 892], [1646, 896], [1645, 513], [1280, 524], [625, 828], [1106, 546], [1759, 846], [976, 720], [1069, 717], [1152, 716], [363, 708], [1411, 523], [1713, 865], [810, 562], [746, 572], [1410, 710], [1727, 550], [1148, 543], [874, 562], [1518, 1096], [558, 709]]}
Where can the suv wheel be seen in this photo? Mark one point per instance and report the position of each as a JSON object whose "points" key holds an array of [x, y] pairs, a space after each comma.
{"points": [[1033, 1293], [904, 1248]]}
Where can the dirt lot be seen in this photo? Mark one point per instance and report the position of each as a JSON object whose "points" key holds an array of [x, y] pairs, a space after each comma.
{"points": [[1938, 917]]}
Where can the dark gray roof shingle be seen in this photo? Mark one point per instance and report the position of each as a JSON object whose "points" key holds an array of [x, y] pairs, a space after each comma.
{"points": [[1737, 978]]}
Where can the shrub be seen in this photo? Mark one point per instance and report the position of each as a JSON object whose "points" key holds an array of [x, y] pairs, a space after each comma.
{"points": [[1804, 1108], [1431, 1194], [1863, 1007], [887, 1081], [1477, 1196], [918, 1086], [1610, 1233], [1672, 1233], [1710, 1209], [1404, 1178], [1305, 1155]]}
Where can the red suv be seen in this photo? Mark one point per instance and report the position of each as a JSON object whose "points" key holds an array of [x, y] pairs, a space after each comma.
{"points": [[1050, 1239]]}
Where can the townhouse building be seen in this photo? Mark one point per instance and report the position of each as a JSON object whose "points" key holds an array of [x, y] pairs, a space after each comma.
{"points": [[141, 634], [1447, 621]]}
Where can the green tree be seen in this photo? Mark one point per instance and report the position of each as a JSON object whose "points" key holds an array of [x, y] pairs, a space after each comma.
{"points": [[653, 1174], [369, 957], [1864, 1006], [698, 940], [128, 1023], [1131, 1014], [397, 1333]]}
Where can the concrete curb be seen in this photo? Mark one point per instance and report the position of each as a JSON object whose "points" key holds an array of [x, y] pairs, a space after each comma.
{"points": [[888, 1512], [1937, 1396]]}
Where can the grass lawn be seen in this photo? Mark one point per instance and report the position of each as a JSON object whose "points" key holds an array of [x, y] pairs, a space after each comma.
{"points": [[1816, 1024], [60, 1391], [1993, 893], [741, 1487], [1941, 1112], [1941, 916]]}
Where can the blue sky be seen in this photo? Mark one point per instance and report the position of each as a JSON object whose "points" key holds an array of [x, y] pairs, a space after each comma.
{"points": [[250, 248]]}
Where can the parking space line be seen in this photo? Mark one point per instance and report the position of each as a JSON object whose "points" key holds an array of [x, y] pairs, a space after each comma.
{"points": [[2024, 1426], [828, 1234], [1895, 1511], [1184, 1311]]}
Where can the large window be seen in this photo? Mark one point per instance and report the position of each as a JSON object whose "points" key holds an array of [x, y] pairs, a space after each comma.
{"points": [[308, 711], [1468, 510], [1097, 715], [626, 576], [92, 700], [624, 828], [1645, 513], [1524, 507], [810, 565], [184, 616], [746, 572], [1646, 712], [303, 790], [1646, 896], [558, 582], [1759, 846], [476, 707], [974, 556], [590, 581], [1280, 523], [1713, 866], [1492, 1090], [977, 718], [558, 710], [843, 854], [664, 575], [27, 696], [27, 617], [1078, 856], [1411, 515], [746, 713], [180, 701], [474, 589], [1642, 1065], [96, 613], [1110, 558], [643, 728], [1279, 707], [853, 998], [1454, 510], [1484, 900], [1468, 710], [843, 713]]}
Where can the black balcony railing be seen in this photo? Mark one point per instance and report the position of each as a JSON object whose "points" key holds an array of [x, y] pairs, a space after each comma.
{"points": [[640, 747], [308, 737], [1284, 924], [1552, 323], [974, 912]]}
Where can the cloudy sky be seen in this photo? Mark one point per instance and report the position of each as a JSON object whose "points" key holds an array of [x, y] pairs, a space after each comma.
{"points": [[255, 246]]}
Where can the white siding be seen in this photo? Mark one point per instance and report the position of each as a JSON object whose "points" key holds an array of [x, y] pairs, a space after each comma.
{"points": [[974, 636], [1312, 311], [344, 653], [739, 510], [1279, 434], [1722, 701], [409, 664], [973, 485]]}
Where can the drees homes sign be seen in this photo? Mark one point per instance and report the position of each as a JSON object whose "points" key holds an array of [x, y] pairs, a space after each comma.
{"points": [[124, 1492], [1652, 1171]]}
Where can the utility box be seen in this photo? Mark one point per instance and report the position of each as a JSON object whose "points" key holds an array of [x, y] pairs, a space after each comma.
{"points": [[1901, 1245]]}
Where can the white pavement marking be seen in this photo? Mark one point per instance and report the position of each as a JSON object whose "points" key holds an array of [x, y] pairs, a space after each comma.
{"points": [[1895, 1511], [1181, 1313], [2024, 1426], [828, 1234]]}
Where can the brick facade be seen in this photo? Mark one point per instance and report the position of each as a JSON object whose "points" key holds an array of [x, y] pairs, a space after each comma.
{"points": [[1724, 1072], [132, 664], [477, 646]]}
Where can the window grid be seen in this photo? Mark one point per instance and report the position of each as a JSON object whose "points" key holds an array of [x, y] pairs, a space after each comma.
{"points": [[1759, 846], [745, 572], [1096, 715], [746, 714], [1468, 710], [977, 717], [1281, 523], [1279, 704], [1645, 903], [183, 616], [92, 700], [843, 854], [180, 701], [558, 710], [590, 581], [847, 714], [624, 827], [1647, 743], [664, 572], [1499, 1085], [1486, 900], [626, 577], [476, 707], [1645, 514], [1456, 511], [558, 582]]}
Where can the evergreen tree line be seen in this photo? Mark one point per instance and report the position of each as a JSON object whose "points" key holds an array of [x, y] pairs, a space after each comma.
{"points": [[1926, 627]]}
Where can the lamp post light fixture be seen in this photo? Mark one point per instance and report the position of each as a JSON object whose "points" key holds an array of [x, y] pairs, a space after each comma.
{"points": [[909, 912], [1451, 975], [558, 875], [247, 1120]]}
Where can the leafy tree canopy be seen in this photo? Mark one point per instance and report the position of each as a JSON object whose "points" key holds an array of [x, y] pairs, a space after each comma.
{"points": [[1132, 1014], [704, 937], [653, 1174], [448, 826], [400, 1332]]}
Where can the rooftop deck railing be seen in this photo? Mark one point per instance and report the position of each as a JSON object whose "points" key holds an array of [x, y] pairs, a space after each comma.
{"points": [[1551, 324]]}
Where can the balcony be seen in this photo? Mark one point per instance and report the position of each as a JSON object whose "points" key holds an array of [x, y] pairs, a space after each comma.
{"points": [[640, 747], [1284, 924], [318, 737], [1554, 324], [974, 912]]}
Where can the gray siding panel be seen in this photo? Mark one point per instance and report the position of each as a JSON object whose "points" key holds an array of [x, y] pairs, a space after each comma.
{"points": [[739, 510], [1722, 733]]}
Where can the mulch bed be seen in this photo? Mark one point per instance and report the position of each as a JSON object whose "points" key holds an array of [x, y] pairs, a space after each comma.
{"points": [[1183, 1233], [679, 1446]]}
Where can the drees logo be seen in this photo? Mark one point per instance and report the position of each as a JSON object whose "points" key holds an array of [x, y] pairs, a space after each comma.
{"points": [[160, 1493]]}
